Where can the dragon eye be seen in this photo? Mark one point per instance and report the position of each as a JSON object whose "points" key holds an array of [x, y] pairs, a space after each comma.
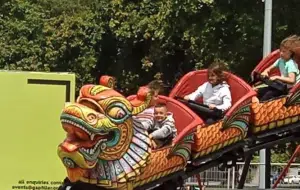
{"points": [[117, 112]]}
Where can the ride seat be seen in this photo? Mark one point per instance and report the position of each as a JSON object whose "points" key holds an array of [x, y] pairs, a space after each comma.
{"points": [[183, 116], [185, 119], [192, 80], [268, 61]]}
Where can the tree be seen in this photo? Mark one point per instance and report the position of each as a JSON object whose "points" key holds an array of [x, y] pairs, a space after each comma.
{"points": [[129, 38], [35, 38]]}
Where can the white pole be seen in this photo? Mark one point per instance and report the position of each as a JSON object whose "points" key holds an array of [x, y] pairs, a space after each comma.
{"points": [[233, 177], [266, 51], [228, 178], [267, 28]]}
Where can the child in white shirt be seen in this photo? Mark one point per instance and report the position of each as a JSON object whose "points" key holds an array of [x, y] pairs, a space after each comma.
{"points": [[216, 94]]}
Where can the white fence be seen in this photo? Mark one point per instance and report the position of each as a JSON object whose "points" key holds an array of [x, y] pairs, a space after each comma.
{"points": [[228, 179]]}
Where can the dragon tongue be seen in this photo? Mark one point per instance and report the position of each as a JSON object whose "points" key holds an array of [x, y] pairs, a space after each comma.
{"points": [[69, 147]]}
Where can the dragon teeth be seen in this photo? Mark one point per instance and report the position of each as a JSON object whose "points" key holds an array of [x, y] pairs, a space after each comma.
{"points": [[94, 149], [77, 125], [92, 136]]}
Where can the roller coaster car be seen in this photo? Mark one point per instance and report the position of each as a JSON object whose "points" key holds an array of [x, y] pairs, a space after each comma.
{"points": [[277, 112], [232, 128], [106, 147], [208, 139], [265, 63], [192, 80]]}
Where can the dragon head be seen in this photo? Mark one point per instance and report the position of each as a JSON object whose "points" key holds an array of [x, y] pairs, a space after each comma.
{"points": [[104, 145]]}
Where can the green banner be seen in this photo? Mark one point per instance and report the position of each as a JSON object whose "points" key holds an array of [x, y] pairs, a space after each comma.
{"points": [[31, 104]]}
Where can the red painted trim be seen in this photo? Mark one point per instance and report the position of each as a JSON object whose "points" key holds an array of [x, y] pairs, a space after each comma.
{"points": [[285, 170], [266, 62], [248, 96], [131, 97], [182, 81], [189, 128], [295, 88]]}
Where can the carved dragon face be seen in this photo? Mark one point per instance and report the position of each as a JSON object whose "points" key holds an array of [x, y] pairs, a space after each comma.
{"points": [[103, 145]]}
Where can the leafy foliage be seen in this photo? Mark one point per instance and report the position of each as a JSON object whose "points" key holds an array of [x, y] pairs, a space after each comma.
{"points": [[32, 40], [133, 38]]}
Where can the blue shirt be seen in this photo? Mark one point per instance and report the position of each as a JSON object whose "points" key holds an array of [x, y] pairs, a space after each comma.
{"points": [[287, 67]]}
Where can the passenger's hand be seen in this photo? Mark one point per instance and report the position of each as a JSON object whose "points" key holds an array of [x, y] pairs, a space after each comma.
{"points": [[265, 74], [211, 106], [274, 78], [154, 145], [186, 97]]}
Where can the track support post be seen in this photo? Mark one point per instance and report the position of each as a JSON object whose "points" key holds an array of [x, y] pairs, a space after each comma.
{"points": [[245, 171]]}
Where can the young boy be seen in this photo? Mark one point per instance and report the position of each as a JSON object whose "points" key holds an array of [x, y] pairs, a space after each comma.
{"points": [[163, 130]]}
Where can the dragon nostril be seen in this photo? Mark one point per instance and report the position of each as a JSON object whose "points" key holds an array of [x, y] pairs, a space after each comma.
{"points": [[92, 118], [69, 163]]}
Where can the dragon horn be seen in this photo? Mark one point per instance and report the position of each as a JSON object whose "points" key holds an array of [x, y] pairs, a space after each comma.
{"points": [[141, 101], [107, 81]]}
